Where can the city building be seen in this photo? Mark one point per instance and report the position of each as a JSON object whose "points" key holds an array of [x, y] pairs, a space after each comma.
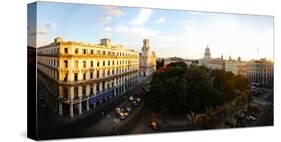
{"points": [[260, 71], [74, 77], [168, 61], [236, 67], [147, 60], [211, 63]]}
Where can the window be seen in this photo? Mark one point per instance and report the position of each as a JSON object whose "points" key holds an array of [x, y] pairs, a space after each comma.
{"points": [[75, 76], [113, 63], [108, 72], [91, 75], [66, 50], [103, 63], [84, 76], [91, 90], [103, 85], [103, 73], [108, 63], [75, 92], [65, 64], [98, 63], [84, 51], [76, 50], [98, 74], [113, 72], [84, 91], [92, 51], [98, 88], [65, 77], [84, 64], [65, 91], [98, 52], [92, 63], [103, 52]]}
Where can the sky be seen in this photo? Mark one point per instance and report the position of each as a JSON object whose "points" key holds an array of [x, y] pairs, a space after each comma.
{"points": [[171, 32]]}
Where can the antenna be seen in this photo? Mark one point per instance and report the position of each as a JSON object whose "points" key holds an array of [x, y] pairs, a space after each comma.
{"points": [[257, 53]]}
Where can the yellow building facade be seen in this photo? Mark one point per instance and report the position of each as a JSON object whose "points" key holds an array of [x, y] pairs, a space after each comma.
{"points": [[77, 76]]}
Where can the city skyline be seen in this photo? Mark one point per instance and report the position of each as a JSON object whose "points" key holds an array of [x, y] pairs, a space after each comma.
{"points": [[172, 33]]}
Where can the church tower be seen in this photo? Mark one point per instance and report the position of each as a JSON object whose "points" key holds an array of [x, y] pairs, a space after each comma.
{"points": [[147, 60], [207, 54]]}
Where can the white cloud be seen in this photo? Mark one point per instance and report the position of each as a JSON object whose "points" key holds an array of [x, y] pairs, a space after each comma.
{"points": [[142, 17], [107, 29], [113, 11], [105, 19], [160, 20]]}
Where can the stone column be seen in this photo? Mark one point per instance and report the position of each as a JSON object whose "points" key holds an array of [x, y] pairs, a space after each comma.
{"points": [[71, 110], [88, 106], [71, 93], [88, 90], [95, 88], [60, 109], [80, 108], [60, 91], [80, 92]]}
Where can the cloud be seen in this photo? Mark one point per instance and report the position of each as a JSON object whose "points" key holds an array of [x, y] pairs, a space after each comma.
{"points": [[107, 29], [160, 20], [113, 11], [142, 17], [105, 19]]}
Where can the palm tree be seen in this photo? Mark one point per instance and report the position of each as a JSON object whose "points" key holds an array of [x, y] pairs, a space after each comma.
{"points": [[194, 118], [210, 115]]}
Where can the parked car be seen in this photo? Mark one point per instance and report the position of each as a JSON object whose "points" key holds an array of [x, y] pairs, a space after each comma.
{"points": [[251, 118], [128, 109], [154, 125], [117, 110], [135, 103], [131, 98], [121, 116]]}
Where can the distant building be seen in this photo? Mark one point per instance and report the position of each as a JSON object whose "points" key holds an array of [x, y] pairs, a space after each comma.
{"points": [[207, 61], [260, 71], [216, 64], [168, 61], [147, 60], [236, 67]]}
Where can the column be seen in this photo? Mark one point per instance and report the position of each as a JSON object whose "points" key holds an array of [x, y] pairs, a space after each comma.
{"points": [[80, 92], [60, 109], [87, 105], [80, 107], [88, 90], [71, 93], [95, 88], [100, 86], [71, 110], [60, 91]]}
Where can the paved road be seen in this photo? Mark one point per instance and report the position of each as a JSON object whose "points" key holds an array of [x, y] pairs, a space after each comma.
{"points": [[97, 123]]}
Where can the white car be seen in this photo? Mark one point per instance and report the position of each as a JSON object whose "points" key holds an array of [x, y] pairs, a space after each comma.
{"points": [[251, 118]]}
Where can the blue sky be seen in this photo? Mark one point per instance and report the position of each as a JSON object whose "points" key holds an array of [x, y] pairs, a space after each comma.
{"points": [[171, 32]]}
